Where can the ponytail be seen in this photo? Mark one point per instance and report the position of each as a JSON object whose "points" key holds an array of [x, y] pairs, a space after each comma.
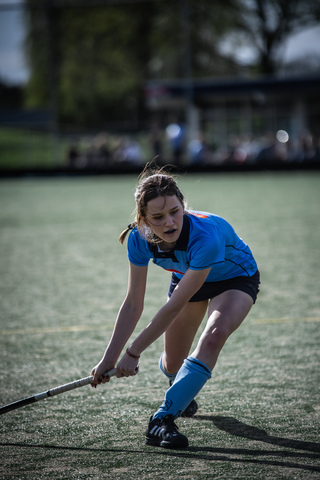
{"points": [[123, 235]]}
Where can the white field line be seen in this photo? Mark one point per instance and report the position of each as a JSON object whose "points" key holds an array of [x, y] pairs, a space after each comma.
{"points": [[33, 331], [86, 328], [285, 320]]}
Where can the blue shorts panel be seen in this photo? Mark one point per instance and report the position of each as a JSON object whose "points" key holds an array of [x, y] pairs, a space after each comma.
{"points": [[249, 285]]}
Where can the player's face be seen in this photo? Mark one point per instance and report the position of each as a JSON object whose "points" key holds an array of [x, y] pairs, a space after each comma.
{"points": [[165, 217]]}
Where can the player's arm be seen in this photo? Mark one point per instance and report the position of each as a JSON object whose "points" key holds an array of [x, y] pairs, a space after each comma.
{"points": [[187, 287], [127, 319], [130, 311]]}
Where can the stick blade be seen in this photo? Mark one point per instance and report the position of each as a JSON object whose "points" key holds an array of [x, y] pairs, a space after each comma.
{"points": [[18, 404], [50, 393]]}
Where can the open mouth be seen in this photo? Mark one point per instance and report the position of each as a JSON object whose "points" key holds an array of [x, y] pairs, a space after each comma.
{"points": [[170, 232]]}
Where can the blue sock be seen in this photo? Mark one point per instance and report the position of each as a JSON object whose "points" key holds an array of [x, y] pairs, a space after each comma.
{"points": [[171, 376], [190, 379]]}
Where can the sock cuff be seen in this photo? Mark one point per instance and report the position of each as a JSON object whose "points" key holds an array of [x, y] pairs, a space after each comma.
{"points": [[195, 361], [171, 376]]}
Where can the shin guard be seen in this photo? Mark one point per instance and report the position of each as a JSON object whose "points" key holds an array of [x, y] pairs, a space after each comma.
{"points": [[190, 379]]}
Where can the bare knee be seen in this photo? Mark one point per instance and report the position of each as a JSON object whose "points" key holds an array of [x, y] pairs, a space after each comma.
{"points": [[171, 365], [214, 340]]}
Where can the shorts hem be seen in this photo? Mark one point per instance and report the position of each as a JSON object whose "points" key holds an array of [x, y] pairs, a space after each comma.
{"points": [[209, 290]]}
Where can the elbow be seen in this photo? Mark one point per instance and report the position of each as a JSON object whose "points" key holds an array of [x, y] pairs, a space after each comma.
{"points": [[133, 306], [173, 308]]}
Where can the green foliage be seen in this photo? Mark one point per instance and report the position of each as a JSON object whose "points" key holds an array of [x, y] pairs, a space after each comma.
{"points": [[21, 149], [37, 51], [90, 62], [97, 59], [96, 64]]}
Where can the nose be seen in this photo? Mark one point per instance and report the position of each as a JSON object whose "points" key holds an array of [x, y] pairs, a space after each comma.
{"points": [[169, 220]]}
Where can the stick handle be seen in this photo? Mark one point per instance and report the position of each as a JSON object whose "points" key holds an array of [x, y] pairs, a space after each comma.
{"points": [[52, 392], [72, 385]]}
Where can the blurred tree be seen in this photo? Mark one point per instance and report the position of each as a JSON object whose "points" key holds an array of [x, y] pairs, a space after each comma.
{"points": [[208, 21], [92, 58], [37, 53], [265, 24], [97, 57], [86, 56]]}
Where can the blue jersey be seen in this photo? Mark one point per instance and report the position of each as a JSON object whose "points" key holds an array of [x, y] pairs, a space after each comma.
{"points": [[206, 241]]}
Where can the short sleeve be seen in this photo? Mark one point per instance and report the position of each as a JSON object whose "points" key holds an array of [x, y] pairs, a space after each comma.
{"points": [[137, 249]]}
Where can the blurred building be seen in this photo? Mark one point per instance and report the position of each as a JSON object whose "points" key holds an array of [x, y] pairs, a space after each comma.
{"points": [[225, 111]]}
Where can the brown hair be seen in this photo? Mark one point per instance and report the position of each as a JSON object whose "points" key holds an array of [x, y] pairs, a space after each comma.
{"points": [[153, 183]]}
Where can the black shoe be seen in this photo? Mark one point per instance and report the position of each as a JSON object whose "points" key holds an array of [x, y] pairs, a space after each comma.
{"points": [[163, 432], [191, 409]]}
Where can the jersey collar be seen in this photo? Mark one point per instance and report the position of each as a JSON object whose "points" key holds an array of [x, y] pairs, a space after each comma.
{"points": [[183, 240]]}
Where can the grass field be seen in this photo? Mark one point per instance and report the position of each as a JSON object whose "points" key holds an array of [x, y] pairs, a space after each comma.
{"points": [[63, 278]]}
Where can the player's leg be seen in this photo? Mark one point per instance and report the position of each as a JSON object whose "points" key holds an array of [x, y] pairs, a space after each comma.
{"points": [[179, 336], [226, 312], [178, 341]]}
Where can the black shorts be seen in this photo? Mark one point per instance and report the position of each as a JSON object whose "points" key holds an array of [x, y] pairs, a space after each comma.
{"points": [[249, 285]]}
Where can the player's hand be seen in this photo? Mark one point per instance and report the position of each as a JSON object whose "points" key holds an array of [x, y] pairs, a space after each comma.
{"points": [[127, 367], [99, 374]]}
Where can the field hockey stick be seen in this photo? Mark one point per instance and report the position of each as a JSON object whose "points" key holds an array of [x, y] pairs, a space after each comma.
{"points": [[51, 393]]}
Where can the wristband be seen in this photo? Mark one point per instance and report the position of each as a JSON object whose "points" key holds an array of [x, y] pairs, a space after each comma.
{"points": [[136, 357]]}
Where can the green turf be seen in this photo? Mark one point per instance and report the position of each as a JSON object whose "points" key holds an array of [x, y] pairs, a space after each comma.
{"points": [[62, 280]]}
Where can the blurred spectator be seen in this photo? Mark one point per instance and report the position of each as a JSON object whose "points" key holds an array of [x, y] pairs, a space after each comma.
{"points": [[103, 157], [317, 147], [106, 151], [133, 153], [73, 156], [86, 159], [128, 152], [274, 151], [307, 148], [156, 139], [176, 134], [236, 156], [198, 151], [249, 148]]}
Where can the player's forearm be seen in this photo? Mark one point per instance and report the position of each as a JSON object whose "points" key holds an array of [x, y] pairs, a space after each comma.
{"points": [[189, 285], [158, 325], [126, 322]]}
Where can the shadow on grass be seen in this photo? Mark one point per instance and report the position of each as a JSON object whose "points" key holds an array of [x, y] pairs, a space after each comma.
{"points": [[239, 429], [216, 454]]}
